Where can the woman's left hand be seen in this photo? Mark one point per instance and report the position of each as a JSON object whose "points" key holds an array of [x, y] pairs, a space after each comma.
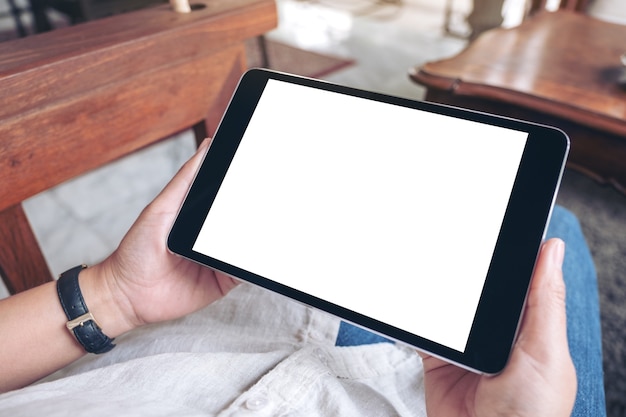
{"points": [[147, 282]]}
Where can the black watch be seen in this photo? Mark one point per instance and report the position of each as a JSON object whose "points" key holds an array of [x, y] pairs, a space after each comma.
{"points": [[81, 322]]}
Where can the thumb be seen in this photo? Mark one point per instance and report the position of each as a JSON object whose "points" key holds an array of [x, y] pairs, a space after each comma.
{"points": [[544, 318], [174, 192], [542, 341]]}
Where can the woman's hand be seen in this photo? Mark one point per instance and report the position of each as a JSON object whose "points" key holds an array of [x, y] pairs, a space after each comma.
{"points": [[539, 379], [141, 282], [147, 282]]}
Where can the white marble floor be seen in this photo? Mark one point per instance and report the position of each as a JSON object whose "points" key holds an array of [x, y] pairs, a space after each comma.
{"points": [[83, 220]]}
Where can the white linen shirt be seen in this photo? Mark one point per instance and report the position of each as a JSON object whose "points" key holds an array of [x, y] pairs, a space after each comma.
{"points": [[253, 353]]}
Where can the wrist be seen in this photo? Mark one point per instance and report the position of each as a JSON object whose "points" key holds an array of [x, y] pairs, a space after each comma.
{"points": [[105, 301]]}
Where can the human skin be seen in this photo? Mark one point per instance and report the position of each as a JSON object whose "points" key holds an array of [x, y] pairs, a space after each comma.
{"points": [[539, 380], [140, 283]]}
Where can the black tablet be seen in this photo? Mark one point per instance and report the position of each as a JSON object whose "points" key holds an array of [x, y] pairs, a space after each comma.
{"points": [[420, 222]]}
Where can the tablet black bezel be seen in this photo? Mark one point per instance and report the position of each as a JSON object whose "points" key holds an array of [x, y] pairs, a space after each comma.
{"points": [[527, 214]]}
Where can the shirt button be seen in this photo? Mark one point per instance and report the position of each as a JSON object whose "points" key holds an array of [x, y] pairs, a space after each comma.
{"points": [[256, 402], [315, 337]]}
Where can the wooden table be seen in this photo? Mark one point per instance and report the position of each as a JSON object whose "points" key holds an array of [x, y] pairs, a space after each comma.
{"points": [[560, 69]]}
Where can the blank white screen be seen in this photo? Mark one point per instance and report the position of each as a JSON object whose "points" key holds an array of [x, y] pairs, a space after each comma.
{"points": [[387, 211]]}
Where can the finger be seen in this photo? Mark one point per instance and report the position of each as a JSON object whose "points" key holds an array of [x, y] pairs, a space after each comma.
{"points": [[541, 352], [433, 363], [544, 325], [180, 183]]}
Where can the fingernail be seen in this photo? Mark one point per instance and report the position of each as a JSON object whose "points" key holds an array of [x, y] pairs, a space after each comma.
{"points": [[558, 253], [204, 144]]}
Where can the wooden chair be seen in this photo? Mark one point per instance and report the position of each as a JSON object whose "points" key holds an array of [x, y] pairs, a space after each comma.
{"points": [[77, 98], [559, 68]]}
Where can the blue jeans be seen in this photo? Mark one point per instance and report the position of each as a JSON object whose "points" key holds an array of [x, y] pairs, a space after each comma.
{"points": [[583, 316]]}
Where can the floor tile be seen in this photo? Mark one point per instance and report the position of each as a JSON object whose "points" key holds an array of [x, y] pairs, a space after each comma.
{"points": [[83, 220]]}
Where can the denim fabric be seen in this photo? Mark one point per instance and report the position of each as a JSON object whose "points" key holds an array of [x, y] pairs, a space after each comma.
{"points": [[583, 314], [350, 335]]}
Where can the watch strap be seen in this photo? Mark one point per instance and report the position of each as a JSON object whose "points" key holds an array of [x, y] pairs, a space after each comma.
{"points": [[80, 321]]}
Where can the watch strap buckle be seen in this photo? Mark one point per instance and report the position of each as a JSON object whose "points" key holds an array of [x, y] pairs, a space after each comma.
{"points": [[81, 320]]}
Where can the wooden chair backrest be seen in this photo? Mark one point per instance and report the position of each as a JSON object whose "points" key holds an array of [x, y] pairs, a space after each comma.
{"points": [[77, 98]]}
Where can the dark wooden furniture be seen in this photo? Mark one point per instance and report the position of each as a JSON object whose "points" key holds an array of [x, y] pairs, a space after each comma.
{"points": [[558, 68], [487, 14], [77, 98]]}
